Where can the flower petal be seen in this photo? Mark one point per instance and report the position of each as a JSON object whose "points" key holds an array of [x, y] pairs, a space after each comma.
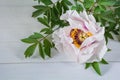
{"points": [[99, 52]]}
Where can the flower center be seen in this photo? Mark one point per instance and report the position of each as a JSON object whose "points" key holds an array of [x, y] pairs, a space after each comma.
{"points": [[79, 36]]}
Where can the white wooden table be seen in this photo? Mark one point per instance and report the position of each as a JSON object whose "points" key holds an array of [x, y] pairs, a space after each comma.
{"points": [[16, 23]]}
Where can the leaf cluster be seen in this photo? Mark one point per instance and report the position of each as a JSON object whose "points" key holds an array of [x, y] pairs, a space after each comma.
{"points": [[48, 14], [96, 66], [40, 41], [105, 11]]}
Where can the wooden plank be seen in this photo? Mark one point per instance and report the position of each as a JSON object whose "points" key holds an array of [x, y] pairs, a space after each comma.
{"points": [[15, 3], [57, 71]]}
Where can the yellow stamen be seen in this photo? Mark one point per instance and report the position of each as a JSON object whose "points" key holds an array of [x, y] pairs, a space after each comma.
{"points": [[79, 36]]}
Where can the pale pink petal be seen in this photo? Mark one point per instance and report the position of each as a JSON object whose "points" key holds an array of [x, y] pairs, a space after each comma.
{"points": [[87, 53], [99, 52]]}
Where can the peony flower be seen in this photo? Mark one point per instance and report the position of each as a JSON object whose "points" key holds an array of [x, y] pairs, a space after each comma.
{"points": [[83, 40]]}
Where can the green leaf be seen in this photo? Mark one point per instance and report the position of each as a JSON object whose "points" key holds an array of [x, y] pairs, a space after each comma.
{"points": [[73, 8], [108, 50], [59, 7], [97, 10], [117, 3], [67, 2], [106, 38], [41, 52], [40, 11], [106, 2], [47, 2], [43, 21], [56, 11], [87, 65], [40, 7], [102, 8], [30, 50], [109, 35], [29, 40], [88, 3], [96, 67], [47, 42], [39, 1], [109, 19], [47, 47], [46, 30], [117, 11], [79, 8], [37, 13], [36, 36], [47, 51], [48, 16], [65, 7], [103, 61], [108, 16]]}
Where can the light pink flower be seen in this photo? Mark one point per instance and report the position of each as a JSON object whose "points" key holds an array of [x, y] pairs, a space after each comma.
{"points": [[83, 40]]}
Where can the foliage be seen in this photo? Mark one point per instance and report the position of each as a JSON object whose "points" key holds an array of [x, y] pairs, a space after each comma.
{"points": [[48, 13]]}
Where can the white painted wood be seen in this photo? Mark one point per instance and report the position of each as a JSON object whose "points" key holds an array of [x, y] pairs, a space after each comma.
{"points": [[17, 3], [57, 71], [16, 23]]}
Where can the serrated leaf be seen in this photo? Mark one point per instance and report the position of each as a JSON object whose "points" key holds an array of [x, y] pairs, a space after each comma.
{"points": [[29, 40], [103, 61], [87, 65], [41, 52], [47, 2], [96, 67], [43, 21], [36, 36], [30, 50]]}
